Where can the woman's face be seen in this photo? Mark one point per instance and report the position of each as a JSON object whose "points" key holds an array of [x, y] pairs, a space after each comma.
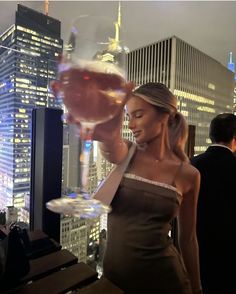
{"points": [[145, 121]]}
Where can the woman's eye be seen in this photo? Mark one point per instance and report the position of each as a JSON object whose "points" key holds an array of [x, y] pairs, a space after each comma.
{"points": [[138, 115]]}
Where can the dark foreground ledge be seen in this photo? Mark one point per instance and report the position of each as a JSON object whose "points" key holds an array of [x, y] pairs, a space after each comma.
{"points": [[58, 271]]}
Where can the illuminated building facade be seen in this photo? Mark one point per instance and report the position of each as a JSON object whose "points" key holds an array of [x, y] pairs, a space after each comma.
{"points": [[79, 235], [203, 86], [74, 236], [70, 166], [28, 52]]}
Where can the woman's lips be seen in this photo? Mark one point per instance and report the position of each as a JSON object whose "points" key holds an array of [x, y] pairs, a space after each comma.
{"points": [[136, 134]]}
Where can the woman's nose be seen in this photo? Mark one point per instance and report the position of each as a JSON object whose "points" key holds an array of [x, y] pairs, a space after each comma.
{"points": [[131, 124]]}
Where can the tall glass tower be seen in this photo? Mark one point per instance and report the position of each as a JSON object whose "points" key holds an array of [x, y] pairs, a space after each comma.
{"points": [[28, 53]]}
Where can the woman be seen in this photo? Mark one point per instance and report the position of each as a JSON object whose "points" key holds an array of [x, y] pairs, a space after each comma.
{"points": [[158, 185]]}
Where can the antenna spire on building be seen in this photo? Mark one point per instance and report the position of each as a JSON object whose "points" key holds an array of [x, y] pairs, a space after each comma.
{"points": [[46, 5], [119, 15], [231, 64], [115, 41], [230, 57], [118, 24]]}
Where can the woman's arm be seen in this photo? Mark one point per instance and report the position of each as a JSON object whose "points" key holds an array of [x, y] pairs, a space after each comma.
{"points": [[114, 151], [187, 226]]}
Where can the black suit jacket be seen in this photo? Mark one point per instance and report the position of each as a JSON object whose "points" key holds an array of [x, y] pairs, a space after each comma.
{"points": [[216, 216]]}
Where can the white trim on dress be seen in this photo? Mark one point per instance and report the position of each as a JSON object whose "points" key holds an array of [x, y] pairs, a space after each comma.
{"points": [[160, 184]]}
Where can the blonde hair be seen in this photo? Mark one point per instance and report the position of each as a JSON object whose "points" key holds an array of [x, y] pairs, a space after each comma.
{"points": [[164, 100]]}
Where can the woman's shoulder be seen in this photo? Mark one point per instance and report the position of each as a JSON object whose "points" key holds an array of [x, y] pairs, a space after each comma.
{"points": [[189, 175], [189, 168], [189, 171]]}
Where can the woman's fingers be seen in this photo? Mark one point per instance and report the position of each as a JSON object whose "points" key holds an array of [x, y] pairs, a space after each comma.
{"points": [[71, 120], [55, 87], [128, 89]]}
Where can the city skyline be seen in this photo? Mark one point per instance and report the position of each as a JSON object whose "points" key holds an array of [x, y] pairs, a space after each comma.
{"points": [[207, 25], [42, 40]]}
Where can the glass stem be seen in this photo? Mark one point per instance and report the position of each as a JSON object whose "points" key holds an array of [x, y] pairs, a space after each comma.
{"points": [[86, 132], [84, 165]]}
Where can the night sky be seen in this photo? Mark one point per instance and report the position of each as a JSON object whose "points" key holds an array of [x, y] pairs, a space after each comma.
{"points": [[209, 26]]}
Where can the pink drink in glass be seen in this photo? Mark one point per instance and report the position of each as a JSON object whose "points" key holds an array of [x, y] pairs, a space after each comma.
{"points": [[91, 97]]}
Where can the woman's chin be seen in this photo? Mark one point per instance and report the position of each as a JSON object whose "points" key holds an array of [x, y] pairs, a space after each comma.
{"points": [[137, 141]]}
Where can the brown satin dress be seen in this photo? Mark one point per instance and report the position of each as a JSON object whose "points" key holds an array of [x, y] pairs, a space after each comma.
{"points": [[140, 256]]}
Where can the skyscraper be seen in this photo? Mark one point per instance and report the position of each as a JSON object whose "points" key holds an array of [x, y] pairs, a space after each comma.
{"points": [[28, 53], [203, 86]]}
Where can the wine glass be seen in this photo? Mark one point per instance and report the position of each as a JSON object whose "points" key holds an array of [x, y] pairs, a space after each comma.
{"points": [[92, 86]]}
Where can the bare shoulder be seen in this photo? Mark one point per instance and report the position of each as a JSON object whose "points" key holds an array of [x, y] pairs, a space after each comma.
{"points": [[190, 177], [189, 170]]}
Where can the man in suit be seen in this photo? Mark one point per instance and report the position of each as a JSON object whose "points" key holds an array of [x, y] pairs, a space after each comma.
{"points": [[216, 216]]}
